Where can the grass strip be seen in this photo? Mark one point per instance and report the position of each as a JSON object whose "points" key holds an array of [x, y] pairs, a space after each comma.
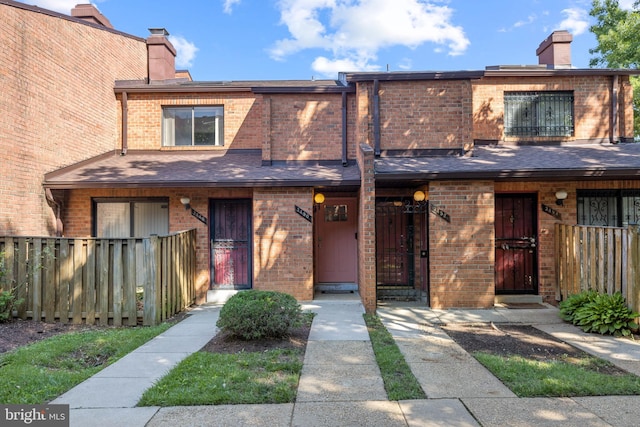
{"points": [[587, 376], [399, 381], [206, 378], [40, 372]]}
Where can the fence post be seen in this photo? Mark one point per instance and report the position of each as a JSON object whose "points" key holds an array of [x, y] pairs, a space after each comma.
{"points": [[152, 293]]}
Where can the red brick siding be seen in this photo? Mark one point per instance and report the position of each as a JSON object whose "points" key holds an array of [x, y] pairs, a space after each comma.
{"points": [[57, 105], [425, 114], [306, 127], [367, 230], [242, 118], [283, 241], [462, 251]]}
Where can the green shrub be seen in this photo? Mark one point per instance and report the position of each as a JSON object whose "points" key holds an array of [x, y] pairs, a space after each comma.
{"points": [[569, 306], [260, 314], [606, 314]]}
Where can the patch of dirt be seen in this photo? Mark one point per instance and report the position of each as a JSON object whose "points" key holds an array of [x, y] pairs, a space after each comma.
{"points": [[224, 343], [18, 333], [517, 340]]}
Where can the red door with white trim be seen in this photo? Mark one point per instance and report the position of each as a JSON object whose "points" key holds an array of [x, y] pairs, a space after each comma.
{"points": [[336, 241]]}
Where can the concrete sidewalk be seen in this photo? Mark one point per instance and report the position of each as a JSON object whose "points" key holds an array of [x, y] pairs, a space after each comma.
{"points": [[340, 384]]}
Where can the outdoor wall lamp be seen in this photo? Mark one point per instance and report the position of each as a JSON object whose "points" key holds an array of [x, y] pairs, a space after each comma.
{"points": [[186, 202], [318, 198], [561, 195], [420, 196]]}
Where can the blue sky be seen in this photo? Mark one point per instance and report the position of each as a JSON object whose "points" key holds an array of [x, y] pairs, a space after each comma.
{"points": [[304, 39]]}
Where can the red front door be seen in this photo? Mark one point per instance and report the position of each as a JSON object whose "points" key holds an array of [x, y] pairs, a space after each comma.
{"points": [[516, 244], [336, 249], [231, 244]]}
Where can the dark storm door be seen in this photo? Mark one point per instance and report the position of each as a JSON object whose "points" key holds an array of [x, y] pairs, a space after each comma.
{"points": [[394, 245], [516, 244], [231, 244]]}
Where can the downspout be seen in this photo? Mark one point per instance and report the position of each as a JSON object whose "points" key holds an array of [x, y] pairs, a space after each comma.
{"points": [[615, 138], [376, 118], [345, 160], [58, 210], [125, 124]]}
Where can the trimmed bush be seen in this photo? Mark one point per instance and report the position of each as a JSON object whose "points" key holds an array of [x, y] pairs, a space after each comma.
{"points": [[600, 313], [254, 314]]}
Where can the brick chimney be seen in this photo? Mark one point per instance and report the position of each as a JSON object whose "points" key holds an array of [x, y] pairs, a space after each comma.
{"points": [[555, 50], [90, 13], [162, 55]]}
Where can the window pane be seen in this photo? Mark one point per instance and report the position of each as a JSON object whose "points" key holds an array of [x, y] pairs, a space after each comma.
{"points": [[150, 218], [207, 126], [538, 113], [112, 220]]}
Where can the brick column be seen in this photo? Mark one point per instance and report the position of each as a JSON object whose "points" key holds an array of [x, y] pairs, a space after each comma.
{"points": [[367, 229]]}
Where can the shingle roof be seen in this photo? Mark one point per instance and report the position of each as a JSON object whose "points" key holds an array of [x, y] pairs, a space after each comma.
{"points": [[233, 168], [519, 162]]}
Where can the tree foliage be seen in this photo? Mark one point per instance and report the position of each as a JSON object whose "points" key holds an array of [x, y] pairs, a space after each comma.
{"points": [[618, 34]]}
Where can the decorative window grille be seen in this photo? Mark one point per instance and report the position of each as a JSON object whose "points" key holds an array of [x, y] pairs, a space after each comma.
{"points": [[538, 114], [610, 208]]}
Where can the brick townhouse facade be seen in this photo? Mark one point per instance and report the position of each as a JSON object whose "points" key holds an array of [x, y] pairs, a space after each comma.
{"points": [[441, 187]]}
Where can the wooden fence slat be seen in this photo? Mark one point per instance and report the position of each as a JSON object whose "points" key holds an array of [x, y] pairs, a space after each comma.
{"points": [[50, 281], [118, 279], [36, 279], [22, 257], [66, 272], [90, 280], [601, 260], [77, 282], [130, 283], [102, 294]]}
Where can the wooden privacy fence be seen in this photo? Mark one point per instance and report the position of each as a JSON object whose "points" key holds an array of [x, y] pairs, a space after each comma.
{"points": [[606, 259], [100, 280]]}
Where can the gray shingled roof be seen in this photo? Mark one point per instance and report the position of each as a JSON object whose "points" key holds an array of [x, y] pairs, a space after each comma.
{"points": [[519, 162], [235, 168]]}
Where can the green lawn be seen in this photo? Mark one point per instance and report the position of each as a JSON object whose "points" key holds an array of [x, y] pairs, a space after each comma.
{"points": [[40, 372]]}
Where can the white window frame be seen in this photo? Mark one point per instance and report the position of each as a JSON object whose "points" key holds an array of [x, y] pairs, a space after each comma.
{"points": [[169, 114]]}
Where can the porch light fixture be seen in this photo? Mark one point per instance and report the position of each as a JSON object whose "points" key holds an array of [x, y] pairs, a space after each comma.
{"points": [[318, 198], [186, 202], [561, 195], [419, 196]]}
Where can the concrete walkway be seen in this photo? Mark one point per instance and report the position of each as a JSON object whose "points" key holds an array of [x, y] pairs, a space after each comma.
{"points": [[340, 384]]}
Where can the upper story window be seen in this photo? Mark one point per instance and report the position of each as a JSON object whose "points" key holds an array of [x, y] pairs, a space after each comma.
{"points": [[192, 126], [538, 114]]}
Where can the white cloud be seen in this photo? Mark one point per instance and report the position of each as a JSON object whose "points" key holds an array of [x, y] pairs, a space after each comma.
{"points": [[530, 20], [227, 6], [626, 4], [62, 6], [186, 51], [355, 30], [576, 21]]}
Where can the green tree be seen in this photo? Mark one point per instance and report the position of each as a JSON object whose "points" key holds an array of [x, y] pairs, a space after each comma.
{"points": [[618, 34]]}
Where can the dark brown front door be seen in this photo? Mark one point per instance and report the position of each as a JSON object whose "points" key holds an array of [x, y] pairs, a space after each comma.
{"points": [[516, 244], [231, 244]]}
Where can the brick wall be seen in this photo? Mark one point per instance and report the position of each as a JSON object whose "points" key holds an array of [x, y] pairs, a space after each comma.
{"points": [[57, 105], [306, 127], [367, 230], [425, 114], [592, 104], [242, 118], [283, 241], [462, 251]]}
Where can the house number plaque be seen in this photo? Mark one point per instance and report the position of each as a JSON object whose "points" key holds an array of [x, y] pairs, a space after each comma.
{"points": [[198, 215], [304, 214], [549, 210], [439, 212]]}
